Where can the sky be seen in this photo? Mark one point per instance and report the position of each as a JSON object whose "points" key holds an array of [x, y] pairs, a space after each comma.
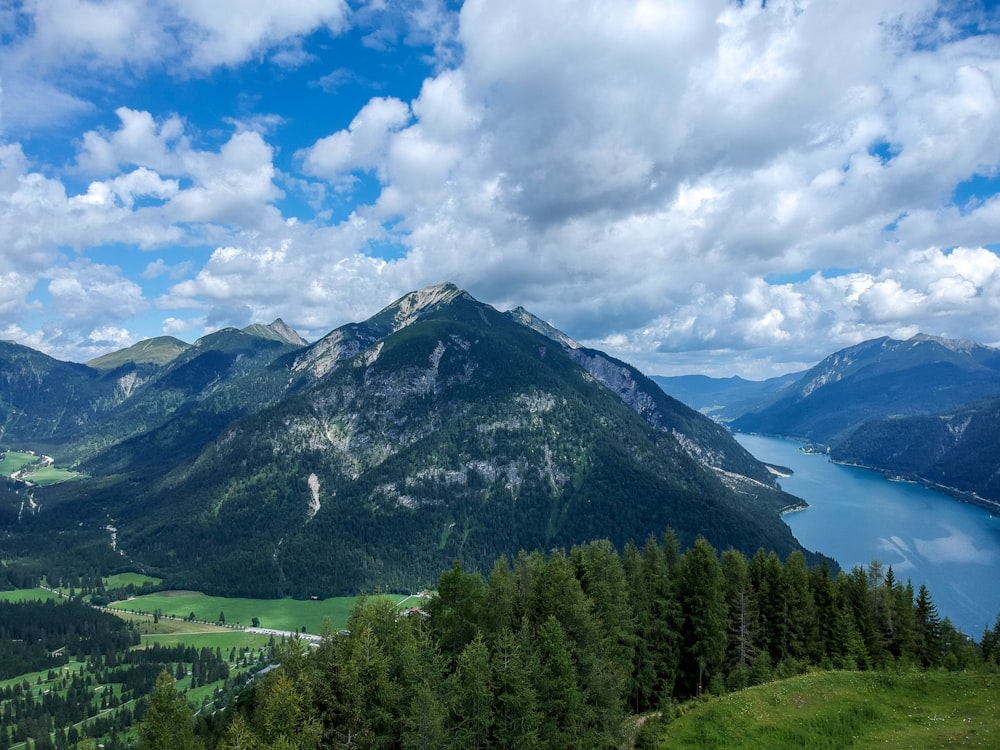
{"points": [[693, 186]]}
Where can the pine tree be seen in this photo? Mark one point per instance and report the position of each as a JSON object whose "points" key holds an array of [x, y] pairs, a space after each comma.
{"points": [[800, 609], [703, 629], [742, 627], [559, 696], [928, 630], [424, 725], [168, 723], [472, 698], [516, 715]]}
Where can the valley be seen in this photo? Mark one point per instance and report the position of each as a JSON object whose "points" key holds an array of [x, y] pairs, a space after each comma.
{"points": [[230, 500]]}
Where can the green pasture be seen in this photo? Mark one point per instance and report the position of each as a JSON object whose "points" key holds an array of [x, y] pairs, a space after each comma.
{"points": [[222, 639], [846, 710], [46, 475], [27, 595], [15, 461], [32, 678], [277, 614]]}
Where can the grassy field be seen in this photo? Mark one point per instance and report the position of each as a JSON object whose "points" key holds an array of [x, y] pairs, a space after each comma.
{"points": [[277, 614], [27, 595], [847, 710], [169, 632], [46, 475], [14, 461]]}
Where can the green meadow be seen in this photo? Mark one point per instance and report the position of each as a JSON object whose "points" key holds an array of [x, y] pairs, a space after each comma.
{"points": [[277, 614], [14, 461], [844, 710], [27, 595]]}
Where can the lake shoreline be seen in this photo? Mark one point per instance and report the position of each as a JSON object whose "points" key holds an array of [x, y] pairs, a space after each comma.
{"points": [[860, 514]]}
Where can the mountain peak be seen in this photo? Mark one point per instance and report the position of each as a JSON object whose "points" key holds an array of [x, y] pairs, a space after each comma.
{"points": [[961, 346], [348, 340], [160, 351], [278, 330], [411, 306]]}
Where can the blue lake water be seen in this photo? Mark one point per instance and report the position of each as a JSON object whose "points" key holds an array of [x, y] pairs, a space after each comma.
{"points": [[856, 516]]}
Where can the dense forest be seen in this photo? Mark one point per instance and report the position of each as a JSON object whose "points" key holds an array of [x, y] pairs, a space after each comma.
{"points": [[564, 650], [43, 635], [96, 681]]}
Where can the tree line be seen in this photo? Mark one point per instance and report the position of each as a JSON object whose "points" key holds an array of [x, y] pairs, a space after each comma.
{"points": [[560, 650], [40, 635]]}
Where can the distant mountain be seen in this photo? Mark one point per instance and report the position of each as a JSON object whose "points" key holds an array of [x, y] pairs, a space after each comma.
{"points": [[220, 377], [278, 330], [75, 411], [156, 351], [42, 397], [723, 399], [878, 379], [438, 429]]}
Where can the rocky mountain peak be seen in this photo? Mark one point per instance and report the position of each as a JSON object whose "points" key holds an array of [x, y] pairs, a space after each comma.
{"points": [[411, 306], [959, 346]]}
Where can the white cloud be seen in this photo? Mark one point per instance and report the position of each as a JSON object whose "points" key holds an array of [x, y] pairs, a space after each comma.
{"points": [[636, 172], [227, 32], [362, 146], [88, 294], [199, 35], [233, 184]]}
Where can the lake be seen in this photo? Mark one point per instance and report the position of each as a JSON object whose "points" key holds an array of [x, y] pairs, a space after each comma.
{"points": [[856, 516]]}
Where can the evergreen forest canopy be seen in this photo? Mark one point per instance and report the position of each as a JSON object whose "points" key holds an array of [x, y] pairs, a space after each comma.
{"points": [[564, 650]]}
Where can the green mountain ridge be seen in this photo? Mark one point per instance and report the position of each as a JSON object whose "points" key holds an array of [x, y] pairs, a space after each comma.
{"points": [[954, 451], [157, 351], [439, 429]]}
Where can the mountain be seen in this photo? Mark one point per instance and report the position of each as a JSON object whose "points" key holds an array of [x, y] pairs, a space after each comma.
{"points": [[278, 330], [723, 399], [956, 451], [220, 377], [42, 397], [878, 379], [156, 351], [75, 411], [438, 429]]}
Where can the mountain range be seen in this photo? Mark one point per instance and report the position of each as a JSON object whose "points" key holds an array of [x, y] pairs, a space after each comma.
{"points": [[439, 429], [925, 409]]}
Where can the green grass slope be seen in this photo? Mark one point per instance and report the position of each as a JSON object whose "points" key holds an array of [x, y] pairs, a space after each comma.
{"points": [[845, 710]]}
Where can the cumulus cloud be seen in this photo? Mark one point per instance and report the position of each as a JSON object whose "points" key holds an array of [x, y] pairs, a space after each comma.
{"points": [[362, 146], [142, 33], [692, 185]]}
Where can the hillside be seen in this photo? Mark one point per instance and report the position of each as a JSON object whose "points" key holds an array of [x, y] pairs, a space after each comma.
{"points": [[439, 429], [42, 397], [957, 450], [156, 351], [843, 709]]}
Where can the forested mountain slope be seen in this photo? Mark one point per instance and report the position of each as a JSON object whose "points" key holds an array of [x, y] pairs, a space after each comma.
{"points": [[959, 450], [439, 429]]}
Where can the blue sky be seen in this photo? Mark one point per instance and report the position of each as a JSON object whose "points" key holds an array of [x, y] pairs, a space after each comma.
{"points": [[691, 185]]}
